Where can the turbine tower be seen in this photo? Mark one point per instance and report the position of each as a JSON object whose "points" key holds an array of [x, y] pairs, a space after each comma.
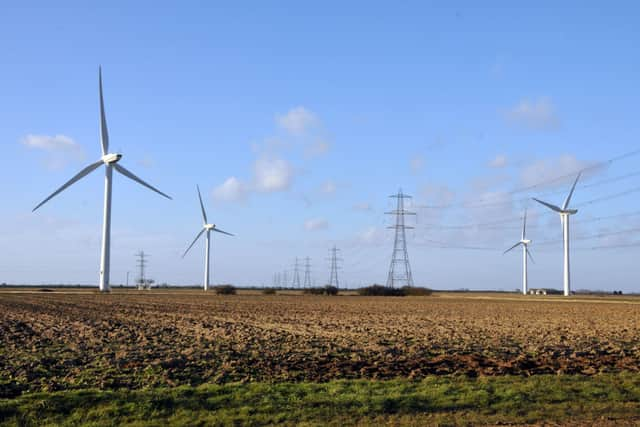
{"points": [[110, 161], [525, 253], [400, 270], [207, 246], [565, 213]]}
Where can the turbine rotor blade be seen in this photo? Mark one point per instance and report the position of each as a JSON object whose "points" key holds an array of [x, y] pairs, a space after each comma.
{"points": [[549, 205], [565, 205], [84, 172], [104, 132], [530, 256], [512, 247], [204, 214], [194, 241], [223, 232], [524, 225], [131, 176]]}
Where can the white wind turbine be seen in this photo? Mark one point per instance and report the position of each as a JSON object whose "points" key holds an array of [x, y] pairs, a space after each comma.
{"points": [[206, 227], [110, 161], [565, 213], [525, 253]]}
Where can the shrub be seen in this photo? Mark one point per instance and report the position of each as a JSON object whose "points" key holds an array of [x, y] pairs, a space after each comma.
{"points": [[331, 290], [224, 290], [327, 290], [269, 291], [381, 291], [416, 291]]}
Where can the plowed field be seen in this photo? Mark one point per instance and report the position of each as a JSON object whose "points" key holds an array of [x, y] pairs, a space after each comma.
{"points": [[54, 341]]}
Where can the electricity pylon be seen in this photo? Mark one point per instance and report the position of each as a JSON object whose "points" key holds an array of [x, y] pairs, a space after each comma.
{"points": [[400, 270]]}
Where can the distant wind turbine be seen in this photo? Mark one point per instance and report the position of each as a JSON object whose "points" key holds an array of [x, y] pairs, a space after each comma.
{"points": [[565, 213], [206, 227], [110, 161], [525, 253]]}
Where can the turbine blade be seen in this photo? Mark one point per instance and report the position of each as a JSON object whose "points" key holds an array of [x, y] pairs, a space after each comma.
{"points": [[223, 232], [530, 256], [194, 241], [84, 172], [549, 205], [204, 214], [131, 176], [104, 132], [512, 247], [565, 205], [524, 225]]}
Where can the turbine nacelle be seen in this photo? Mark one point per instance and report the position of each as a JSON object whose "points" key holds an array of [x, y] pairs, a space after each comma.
{"points": [[525, 241], [111, 158], [209, 227]]}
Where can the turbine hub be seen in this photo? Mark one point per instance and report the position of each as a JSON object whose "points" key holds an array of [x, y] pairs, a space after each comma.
{"points": [[209, 226], [111, 158], [525, 241]]}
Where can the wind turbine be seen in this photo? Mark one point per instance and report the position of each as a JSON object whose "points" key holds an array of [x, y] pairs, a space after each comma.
{"points": [[206, 227], [565, 213], [110, 161], [525, 252]]}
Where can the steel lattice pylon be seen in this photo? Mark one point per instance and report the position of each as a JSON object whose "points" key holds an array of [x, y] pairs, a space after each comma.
{"points": [[400, 270]]}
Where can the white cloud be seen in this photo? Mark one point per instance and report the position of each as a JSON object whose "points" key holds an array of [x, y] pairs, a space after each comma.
{"points": [[232, 190], [316, 224], [297, 120], [539, 114], [272, 174], [362, 206], [417, 163], [60, 149], [499, 161]]}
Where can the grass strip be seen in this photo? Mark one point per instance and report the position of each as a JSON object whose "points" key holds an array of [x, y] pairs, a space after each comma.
{"points": [[448, 400]]}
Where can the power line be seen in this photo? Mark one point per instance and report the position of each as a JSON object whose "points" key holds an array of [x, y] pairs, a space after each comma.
{"points": [[480, 203]]}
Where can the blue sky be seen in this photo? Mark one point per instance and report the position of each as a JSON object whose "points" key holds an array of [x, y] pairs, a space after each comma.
{"points": [[298, 120]]}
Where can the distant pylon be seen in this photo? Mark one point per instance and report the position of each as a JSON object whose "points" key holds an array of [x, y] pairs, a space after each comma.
{"points": [[142, 263], [285, 279], [400, 270], [307, 272], [333, 276], [296, 275]]}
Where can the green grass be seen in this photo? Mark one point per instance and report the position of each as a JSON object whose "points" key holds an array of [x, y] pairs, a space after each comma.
{"points": [[449, 400]]}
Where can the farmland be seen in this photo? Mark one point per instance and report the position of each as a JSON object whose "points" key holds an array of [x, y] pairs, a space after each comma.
{"points": [[72, 341]]}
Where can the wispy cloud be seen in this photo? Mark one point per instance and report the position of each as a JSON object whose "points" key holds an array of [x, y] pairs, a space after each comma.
{"points": [[362, 206], [59, 149], [539, 114], [316, 224], [328, 187], [499, 161], [232, 190], [298, 120], [541, 171], [417, 163]]}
